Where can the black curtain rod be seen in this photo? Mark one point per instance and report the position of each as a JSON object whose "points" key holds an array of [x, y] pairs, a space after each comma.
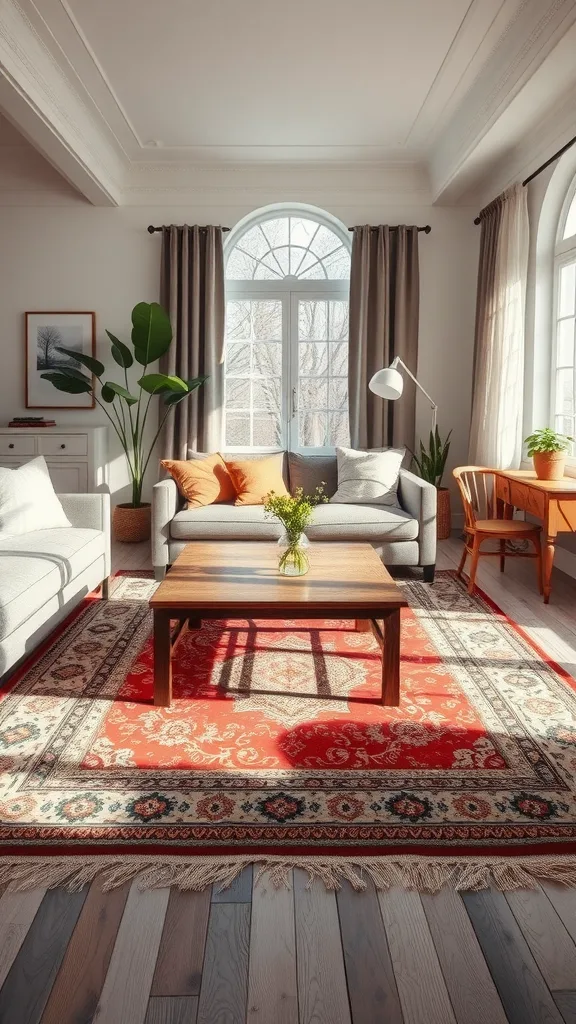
{"points": [[567, 146], [152, 229], [394, 227]]}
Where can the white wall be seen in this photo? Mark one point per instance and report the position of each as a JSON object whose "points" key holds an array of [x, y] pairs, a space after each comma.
{"points": [[75, 256]]}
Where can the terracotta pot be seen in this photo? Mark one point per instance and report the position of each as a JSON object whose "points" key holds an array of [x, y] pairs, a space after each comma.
{"points": [[130, 524], [443, 514], [549, 465]]}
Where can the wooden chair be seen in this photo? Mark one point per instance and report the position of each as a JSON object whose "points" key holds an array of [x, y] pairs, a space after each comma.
{"points": [[477, 489]]}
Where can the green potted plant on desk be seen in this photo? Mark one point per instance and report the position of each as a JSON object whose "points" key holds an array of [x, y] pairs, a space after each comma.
{"points": [[548, 450], [430, 464], [128, 411]]}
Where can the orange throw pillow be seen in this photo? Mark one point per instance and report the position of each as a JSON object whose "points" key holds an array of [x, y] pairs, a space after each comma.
{"points": [[201, 481], [255, 478]]}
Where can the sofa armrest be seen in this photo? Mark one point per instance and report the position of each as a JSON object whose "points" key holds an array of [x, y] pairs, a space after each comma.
{"points": [[164, 508], [419, 499], [90, 512]]}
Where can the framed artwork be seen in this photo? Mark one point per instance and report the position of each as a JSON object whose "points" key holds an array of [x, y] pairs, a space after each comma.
{"points": [[46, 333]]}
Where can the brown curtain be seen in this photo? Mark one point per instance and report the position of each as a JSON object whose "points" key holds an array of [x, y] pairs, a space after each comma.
{"points": [[384, 310], [192, 290]]}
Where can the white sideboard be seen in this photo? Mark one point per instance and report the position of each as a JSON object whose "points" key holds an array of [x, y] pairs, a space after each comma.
{"points": [[75, 456]]}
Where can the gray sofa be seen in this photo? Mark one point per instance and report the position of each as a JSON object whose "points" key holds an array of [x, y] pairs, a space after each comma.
{"points": [[402, 535]]}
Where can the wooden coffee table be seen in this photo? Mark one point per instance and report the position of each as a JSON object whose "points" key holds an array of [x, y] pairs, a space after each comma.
{"points": [[238, 579]]}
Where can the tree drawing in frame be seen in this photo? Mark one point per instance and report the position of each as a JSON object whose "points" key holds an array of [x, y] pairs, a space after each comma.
{"points": [[47, 332], [49, 339]]}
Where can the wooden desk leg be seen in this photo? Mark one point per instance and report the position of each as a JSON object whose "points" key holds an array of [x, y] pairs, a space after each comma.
{"points": [[363, 625], [549, 549], [391, 660], [162, 659]]}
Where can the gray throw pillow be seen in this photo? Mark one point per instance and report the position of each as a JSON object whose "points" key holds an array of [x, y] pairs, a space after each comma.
{"points": [[368, 478]]}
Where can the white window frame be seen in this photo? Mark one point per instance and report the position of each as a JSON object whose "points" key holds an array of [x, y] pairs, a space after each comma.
{"points": [[287, 290], [564, 255]]}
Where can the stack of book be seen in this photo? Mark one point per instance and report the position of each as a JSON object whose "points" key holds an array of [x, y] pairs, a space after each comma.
{"points": [[31, 421]]}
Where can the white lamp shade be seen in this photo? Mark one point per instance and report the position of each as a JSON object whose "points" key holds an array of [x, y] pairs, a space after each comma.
{"points": [[387, 383]]}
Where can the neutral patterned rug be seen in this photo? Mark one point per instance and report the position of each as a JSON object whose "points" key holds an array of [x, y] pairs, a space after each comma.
{"points": [[471, 780]]}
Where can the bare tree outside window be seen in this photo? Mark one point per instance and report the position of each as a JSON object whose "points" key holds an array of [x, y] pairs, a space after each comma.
{"points": [[286, 372]]}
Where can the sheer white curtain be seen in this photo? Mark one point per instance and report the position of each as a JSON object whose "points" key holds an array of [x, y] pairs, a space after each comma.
{"points": [[498, 385]]}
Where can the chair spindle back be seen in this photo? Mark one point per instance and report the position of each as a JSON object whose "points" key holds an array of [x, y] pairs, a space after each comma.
{"points": [[476, 485]]}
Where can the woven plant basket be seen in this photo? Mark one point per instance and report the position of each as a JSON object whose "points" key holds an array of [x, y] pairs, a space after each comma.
{"points": [[443, 514], [131, 525]]}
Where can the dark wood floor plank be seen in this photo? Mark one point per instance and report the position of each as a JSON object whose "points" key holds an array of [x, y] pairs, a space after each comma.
{"points": [[27, 987], [76, 991], [272, 987], [240, 891], [469, 982], [179, 965], [522, 989], [17, 911], [564, 902], [551, 946], [369, 972], [421, 986], [172, 1009], [223, 993], [322, 990], [566, 1003]]}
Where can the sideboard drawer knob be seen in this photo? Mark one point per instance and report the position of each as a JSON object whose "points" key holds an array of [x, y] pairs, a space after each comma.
{"points": [[62, 445], [10, 445]]}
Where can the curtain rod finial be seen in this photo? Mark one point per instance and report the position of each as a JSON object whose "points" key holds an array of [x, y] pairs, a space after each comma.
{"points": [[151, 229]]}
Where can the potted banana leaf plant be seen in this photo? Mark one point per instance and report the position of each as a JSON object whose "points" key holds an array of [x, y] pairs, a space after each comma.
{"points": [[430, 464], [127, 405]]}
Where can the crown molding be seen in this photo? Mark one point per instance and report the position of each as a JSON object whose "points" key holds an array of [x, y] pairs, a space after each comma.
{"points": [[393, 183], [535, 28], [37, 95]]}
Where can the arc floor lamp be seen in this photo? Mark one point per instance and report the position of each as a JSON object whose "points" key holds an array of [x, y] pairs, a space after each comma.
{"points": [[389, 383]]}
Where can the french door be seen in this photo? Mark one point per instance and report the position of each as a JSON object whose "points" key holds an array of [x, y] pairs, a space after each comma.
{"points": [[286, 367]]}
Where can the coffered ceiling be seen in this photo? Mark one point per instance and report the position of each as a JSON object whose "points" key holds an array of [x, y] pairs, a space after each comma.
{"points": [[122, 95]]}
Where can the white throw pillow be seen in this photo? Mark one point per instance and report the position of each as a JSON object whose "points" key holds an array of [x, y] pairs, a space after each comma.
{"points": [[28, 501], [368, 477]]}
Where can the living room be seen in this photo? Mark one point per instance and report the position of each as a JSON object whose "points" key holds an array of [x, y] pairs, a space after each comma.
{"points": [[277, 742]]}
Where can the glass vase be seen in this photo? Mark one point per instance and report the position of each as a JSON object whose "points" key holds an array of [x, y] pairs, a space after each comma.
{"points": [[293, 559]]}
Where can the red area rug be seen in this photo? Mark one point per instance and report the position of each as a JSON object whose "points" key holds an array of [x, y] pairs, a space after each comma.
{"points": [[472, 779]]}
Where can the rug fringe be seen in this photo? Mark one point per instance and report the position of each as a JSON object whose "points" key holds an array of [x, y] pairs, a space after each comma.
{"points": [[408, 871]]}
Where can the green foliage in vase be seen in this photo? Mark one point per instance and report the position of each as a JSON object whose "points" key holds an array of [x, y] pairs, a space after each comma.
{"points": [[547, 440], [431, 462], [128, 412], [294, 511]]}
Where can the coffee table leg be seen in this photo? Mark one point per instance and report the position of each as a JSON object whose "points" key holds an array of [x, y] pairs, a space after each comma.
{"points": [[391, 660], [162, 659]]}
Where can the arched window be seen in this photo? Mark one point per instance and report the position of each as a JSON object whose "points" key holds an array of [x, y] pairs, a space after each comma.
{"points": [[286, 369], [563, 398]]}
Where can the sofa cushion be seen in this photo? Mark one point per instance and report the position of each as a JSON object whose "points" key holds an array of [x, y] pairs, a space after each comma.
{"points": [[311, 471], [370, 523], [35, 566], [225, 521]]}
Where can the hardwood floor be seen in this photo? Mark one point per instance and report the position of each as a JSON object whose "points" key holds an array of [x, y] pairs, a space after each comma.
{"points": [[253, 953]]}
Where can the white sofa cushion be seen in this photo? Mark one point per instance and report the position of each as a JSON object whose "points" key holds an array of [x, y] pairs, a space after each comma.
{"points": [[28, 501], [368, 477], [36, 566]]}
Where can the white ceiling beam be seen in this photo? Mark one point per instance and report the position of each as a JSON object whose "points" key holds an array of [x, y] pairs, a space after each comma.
{"points": [[39, 99], [475, 137]]}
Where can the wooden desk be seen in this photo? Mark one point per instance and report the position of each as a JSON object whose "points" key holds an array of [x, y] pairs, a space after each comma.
{"points": [[552, 501]]}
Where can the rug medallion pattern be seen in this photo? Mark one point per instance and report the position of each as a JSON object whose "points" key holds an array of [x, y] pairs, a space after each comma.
{"points": [[255, 752]]}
